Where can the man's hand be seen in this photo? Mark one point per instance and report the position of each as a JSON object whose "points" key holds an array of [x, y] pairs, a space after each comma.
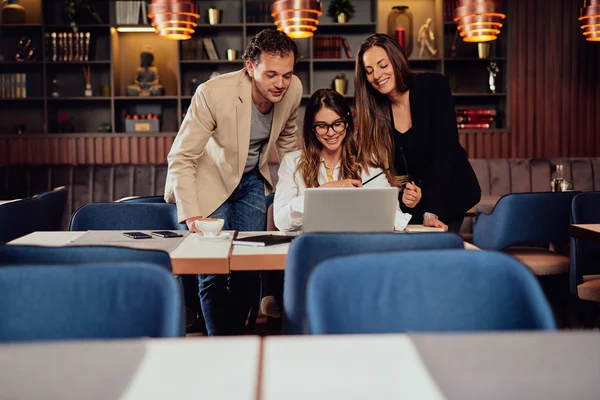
{"points": [[191, 224], [344, 183], [411, 195]]}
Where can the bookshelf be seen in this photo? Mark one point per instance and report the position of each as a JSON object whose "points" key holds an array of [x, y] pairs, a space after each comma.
{"points": [[113, 57]]}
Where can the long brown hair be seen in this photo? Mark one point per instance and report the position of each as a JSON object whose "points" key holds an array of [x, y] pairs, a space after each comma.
{"points": [[373, 108], [310, 160]]}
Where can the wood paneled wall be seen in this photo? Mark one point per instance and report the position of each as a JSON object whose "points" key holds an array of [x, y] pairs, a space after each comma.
{"points": [[85, 150], [554, 81]]}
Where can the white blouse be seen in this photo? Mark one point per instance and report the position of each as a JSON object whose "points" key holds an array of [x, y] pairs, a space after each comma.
{"points": [[288, 206]]}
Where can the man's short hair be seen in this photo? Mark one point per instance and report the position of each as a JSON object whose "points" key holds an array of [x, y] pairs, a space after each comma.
{"points": [[272, 42]]}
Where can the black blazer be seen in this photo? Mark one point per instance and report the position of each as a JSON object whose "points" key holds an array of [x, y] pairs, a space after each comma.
{"points": [[434, 156]]}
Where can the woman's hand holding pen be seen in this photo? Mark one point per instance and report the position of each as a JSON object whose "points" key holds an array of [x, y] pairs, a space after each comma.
{"points": [[344, 183], [411, 195]]}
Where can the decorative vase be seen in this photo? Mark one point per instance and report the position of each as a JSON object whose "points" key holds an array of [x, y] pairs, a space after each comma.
{"points": [[340, 85], [342, 18], [214, 16], [13, 12], [401, 17]]}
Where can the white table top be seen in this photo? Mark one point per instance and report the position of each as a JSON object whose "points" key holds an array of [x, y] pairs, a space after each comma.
{"points": [[344, 367], [199, 368]]}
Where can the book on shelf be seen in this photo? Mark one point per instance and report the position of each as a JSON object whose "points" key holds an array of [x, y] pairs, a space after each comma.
{"points": [[347, 47], [130, 12], [476, 118], [258, 11], [327, 47], [211, 51], [192, 49], [473, 126], [13, 86]]}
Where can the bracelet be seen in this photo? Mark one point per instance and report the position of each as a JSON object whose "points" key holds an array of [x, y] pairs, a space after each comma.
{"points": [[429, 215]]}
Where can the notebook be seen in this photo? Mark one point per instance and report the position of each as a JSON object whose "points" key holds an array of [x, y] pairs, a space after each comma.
{"points": [[263, 240]]}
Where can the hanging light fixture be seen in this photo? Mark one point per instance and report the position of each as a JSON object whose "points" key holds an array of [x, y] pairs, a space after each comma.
{"points": [[589, 15], [173, 19], [297, 18], [479, 20]]}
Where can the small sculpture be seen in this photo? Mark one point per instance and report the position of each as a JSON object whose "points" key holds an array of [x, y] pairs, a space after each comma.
{"points": [[426, 38], [493, 70], [147, 81], [25, 50]]}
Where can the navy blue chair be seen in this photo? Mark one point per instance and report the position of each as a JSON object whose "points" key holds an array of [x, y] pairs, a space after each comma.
{"points": [[42, 255], [584, 276], [425, 291], [125, 216], [145, 199], [53, 203], [309, 249], [19, 218], [524, 225], [88, 302]]}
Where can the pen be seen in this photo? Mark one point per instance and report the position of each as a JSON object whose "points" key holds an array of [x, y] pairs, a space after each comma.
{"points": [[369, 180], [405, 165]]}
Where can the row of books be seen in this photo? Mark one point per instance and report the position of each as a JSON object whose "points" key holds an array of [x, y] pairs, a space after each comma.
{"points": [[259, 11], [331, 47], [449, 7], [13, 86], [475, 118], [199, 49], [68, 46]]}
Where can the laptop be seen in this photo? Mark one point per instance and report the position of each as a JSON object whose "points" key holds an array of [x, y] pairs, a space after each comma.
{"points": [[350, 209]]}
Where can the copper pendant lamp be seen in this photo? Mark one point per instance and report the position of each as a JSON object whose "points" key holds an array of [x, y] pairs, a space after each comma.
{"points": [[173, 19], [297, 18], [589, 15], [479, 20]]}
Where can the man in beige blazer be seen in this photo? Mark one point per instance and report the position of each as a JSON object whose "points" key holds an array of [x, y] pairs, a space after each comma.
{"points": [[218, 161]]}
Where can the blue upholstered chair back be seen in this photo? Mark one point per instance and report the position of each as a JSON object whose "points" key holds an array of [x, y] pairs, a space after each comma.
{"points": [[19, 218], [525, 219], [145, 199], [419, 291], [88, 302], [41, 255], [309, 249], [585, 256], [54, 203], [123, 216]]}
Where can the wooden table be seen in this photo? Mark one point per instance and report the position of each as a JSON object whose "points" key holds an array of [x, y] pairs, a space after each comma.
{"points": [[192, 368], [512, 365], [587, 232], [196, 256], [192, 256]]}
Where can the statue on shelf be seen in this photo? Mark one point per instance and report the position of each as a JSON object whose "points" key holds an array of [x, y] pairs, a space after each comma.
{"points": [[25, 51], [147, 81], [493, 70], [426, 38]]}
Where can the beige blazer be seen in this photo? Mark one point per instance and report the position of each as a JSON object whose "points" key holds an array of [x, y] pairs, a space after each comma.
{"points": [[208, 156]]}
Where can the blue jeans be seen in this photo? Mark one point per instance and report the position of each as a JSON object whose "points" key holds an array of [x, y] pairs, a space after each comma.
{"points": [[226, 299]]}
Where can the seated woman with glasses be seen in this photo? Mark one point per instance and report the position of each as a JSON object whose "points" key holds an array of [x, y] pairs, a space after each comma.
{"points": [[328, 159]]}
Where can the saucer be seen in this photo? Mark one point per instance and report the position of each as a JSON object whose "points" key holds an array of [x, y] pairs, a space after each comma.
{"points": [[219, 237]]}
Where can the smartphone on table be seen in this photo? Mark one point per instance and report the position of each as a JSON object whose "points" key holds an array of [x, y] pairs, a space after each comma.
{"points": [[166, 234], [137, 235]]}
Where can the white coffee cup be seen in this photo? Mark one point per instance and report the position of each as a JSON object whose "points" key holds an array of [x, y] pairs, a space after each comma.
{"points": [[210, 226]]}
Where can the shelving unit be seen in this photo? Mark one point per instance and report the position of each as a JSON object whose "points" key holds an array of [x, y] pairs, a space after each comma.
{"points": [[114, 56]]}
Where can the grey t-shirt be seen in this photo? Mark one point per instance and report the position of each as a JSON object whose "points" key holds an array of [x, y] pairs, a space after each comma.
{"points": [[260, 130]]}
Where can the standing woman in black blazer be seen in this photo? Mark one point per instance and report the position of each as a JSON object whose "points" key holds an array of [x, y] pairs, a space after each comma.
{"points": [[407, 123]]}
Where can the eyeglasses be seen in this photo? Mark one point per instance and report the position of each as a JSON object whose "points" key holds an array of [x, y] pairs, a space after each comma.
{"points": [[322, 128]]}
